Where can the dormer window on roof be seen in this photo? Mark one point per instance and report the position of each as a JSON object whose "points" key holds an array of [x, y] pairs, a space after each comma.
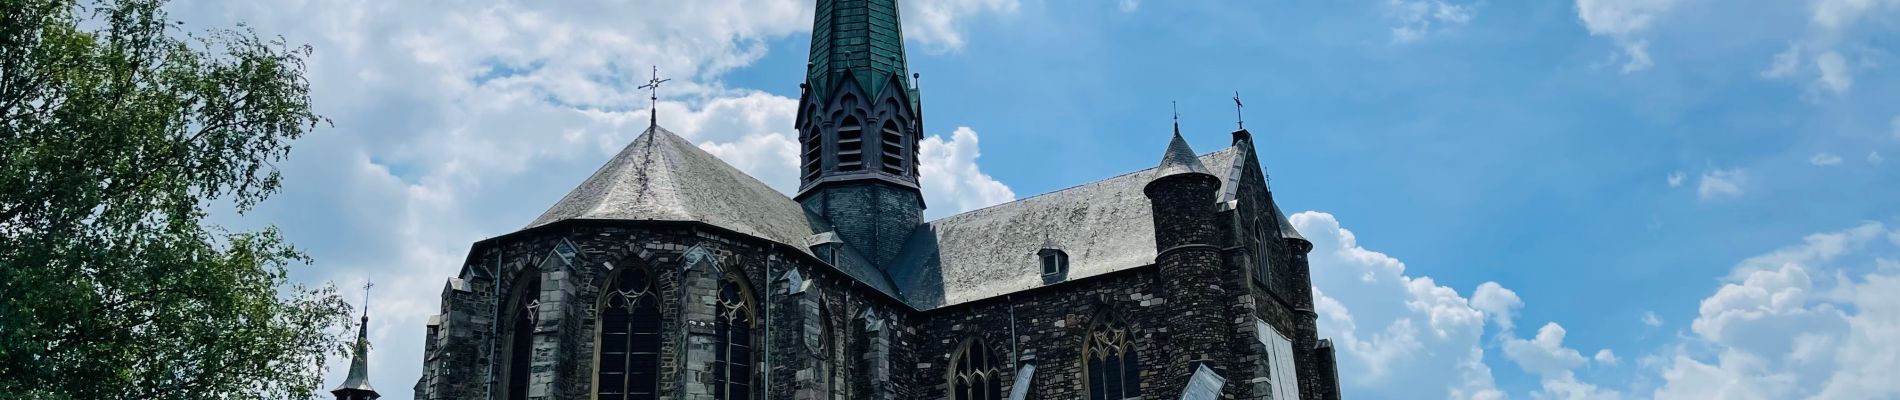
{"points": [[1055, 262]]}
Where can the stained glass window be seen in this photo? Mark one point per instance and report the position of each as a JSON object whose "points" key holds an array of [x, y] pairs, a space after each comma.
{"points": [[732, 344], [1110, 366], [523, 313], [629, 340], [977, 376]]}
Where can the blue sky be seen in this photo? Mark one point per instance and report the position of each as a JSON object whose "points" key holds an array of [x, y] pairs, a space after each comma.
{"points": [[1523, 199]]}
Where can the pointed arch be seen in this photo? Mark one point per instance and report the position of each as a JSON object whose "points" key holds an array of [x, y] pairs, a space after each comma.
{"points": [[627, 336], [975, 373], [520, 314], [735, 344], [1111, 370]]}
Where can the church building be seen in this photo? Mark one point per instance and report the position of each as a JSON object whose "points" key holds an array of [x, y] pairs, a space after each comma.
{"points": [[669, 274]]}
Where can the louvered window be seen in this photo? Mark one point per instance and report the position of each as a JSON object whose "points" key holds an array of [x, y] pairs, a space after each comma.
{"points": [[850, 145], [629, 340], [893, 148]]}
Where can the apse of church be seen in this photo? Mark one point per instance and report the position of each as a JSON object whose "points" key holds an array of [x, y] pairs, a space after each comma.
{"points": [[669, 274]]}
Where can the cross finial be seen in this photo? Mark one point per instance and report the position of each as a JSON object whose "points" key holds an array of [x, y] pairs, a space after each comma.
{"points": [[653, 90], [366, 285], [1177, 116], [1240, 121]]}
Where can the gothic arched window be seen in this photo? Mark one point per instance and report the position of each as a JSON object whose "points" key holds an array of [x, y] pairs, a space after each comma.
{"points": [[814, 143], [629, 359], [832, 352], [732, 343], [975, 375], [522, 312], [1109, 365]]}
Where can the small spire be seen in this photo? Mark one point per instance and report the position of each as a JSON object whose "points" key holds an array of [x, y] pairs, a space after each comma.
{"points": [[653, 90], [356, 385]]}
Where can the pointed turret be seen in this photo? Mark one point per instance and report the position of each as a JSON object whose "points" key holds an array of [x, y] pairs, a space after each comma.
{"points": [[1183, 195], [1179, 159], [859, 122], [356, 385]]}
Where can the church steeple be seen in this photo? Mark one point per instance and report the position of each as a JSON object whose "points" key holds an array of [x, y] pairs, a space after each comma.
{"points": [[356, 385], [859, 122]]}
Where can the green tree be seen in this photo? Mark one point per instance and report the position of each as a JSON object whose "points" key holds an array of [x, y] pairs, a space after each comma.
{"points": [[118, 131]]}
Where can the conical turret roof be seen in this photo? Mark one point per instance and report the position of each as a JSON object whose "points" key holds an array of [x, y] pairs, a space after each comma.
{"points": [[1179, 159]]}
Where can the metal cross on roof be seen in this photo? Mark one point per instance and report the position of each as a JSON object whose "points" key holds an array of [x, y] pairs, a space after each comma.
{"points": [[653, 89], [1239, 120], [366, 285]]}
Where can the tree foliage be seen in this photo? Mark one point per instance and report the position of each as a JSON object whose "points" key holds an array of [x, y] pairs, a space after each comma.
{"points": [[119, 131]]}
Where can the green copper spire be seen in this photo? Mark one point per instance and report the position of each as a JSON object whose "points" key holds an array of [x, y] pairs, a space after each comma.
{"points": [[864, 37]]}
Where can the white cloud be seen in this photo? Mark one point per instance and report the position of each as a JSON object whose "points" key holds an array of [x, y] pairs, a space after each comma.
{"points": [[952, 182], [458, 121], [1417, 19], [1625, 22], [1544, 354], [1605, 357], [1398, 335], [1675, 179], [1720, 183], [1873, 157], [1498, 302], [1834, 75], [1650, 319], [1825, 159], [936, 22], [1810, 327], [1896, 127], [1129, 5], [1785, 63]]}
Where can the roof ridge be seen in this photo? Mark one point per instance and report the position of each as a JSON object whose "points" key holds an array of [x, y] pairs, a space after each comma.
{"points": [[1072, 187]]}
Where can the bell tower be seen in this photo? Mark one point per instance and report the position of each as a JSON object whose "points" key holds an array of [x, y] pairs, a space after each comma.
{"points": [[859, 122]]}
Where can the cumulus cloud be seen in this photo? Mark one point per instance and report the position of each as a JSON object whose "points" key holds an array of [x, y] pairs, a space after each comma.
{"points": [[1398, 334], [1417, 19], [1498, 302], [1651, 320], [1544, 354], [1721, 183], [1675, 179], [1129, 5], [1605, 357], [1625, 22], [936, 22], [951, 179], [1825, 160], [1873, 157], [1818, 324]]}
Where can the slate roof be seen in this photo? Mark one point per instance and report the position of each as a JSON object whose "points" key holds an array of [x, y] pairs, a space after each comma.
{"points": [[1104, 226], [663, 177], [1179, 159]]}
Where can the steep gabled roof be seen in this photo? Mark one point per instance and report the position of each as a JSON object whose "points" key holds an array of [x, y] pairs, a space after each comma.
{"points": [[1104, 226], [663, 177]]}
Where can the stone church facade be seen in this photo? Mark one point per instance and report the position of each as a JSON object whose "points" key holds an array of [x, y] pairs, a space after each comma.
{"points": [[669, 274]]}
